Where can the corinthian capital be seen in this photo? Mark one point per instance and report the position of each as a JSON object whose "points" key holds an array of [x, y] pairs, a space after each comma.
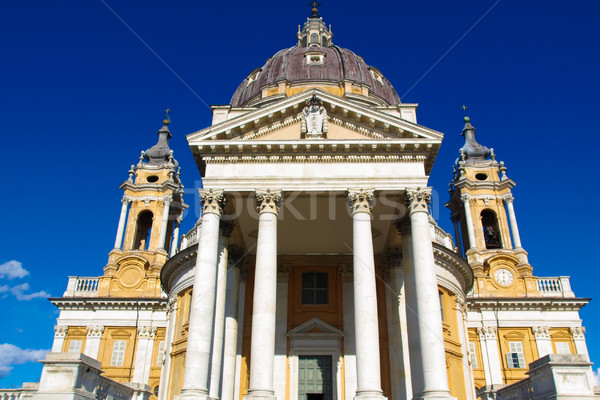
{"points": [[268, 201], [417, 200], [212, 200], [95, 331], [465, 198], [509, 198], [60, 331], [578, 332], [360, 201]]}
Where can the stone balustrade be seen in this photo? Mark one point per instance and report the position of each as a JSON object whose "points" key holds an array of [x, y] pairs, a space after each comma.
{"points": [[555, 286], [80, 286]]}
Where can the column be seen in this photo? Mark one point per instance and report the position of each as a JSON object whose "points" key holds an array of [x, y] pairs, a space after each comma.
{"points": [[121, 226], [279, 378], [240, 328], [542, 340], [143, 354], [262, 345], [513, 221], [431, 381], [175, 241], [60, 332], [461, 318], [92, 341], [466, 199], [217, 352], [349, 337], [578, 333], [170, 334], [457, 236], [366, 324], [492, 364], [231, 325], [398, 338], [199, 343], [162, 239]]}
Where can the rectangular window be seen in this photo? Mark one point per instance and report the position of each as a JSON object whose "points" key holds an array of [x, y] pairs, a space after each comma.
{"points": [[75, 346], [515, 357], [118, 353], [562, 348], [315, 288], [473, 355], [160, 358]]}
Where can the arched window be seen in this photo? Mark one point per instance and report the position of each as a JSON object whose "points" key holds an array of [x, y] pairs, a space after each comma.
{"points": [[144, 229], [315, 288], [314, 38], [491, 233]]}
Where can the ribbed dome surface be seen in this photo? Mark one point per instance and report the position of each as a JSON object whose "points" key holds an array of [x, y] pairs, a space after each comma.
{"points": [[290, 65]]}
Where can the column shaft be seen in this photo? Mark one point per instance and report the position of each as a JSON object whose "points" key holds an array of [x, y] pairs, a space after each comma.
{"points": [[469, 218], [162, 239], [262, 346], [457, 236], [121, 226], [513, 222], [231, 333], [217, 353], [175, 241], [425, 303], [365, 298], [199, 343], [170, 334]]}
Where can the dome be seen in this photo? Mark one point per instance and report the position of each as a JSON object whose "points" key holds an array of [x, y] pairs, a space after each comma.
{"points": [[314, 61]]}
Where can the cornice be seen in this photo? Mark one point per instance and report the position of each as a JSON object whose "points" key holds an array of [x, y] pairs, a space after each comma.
{"points": [[456, 265], [174, 264], [109, 303], [296, 102], [525, 303]]}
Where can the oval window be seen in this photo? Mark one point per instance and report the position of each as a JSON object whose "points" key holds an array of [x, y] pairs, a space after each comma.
{"points": [[152, 178], [481, 177]]}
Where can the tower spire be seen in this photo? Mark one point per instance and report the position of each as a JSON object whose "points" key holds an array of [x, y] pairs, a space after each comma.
{"points": [[471, 150]]}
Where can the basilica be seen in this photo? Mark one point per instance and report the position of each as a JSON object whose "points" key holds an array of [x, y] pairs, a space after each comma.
{"points": [[316, 271]]}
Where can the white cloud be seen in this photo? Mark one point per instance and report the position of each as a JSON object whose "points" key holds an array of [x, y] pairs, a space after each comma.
{"points": [[4, 288], [12, 269], [19, 292], [12, 355]]}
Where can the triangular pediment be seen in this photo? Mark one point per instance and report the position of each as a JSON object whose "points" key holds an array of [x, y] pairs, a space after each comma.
{"points": [[315, 327], [282, 120]]}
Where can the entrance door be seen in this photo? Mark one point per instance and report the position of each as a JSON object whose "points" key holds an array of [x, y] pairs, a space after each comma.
{"points": [[315, 378]]}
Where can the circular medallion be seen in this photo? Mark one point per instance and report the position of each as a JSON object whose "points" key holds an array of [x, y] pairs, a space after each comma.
{"points": [[504, 277]]}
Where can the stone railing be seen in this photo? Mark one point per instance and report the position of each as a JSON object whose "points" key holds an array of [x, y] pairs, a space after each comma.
{"points": [[80, 286], [554, 376], [189, 239], [75, 376], [439, 236], [25, 393], [558, 286]]}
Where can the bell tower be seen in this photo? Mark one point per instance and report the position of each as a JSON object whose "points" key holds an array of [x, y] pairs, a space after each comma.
{"points": [[148, 228], [485, 225]]}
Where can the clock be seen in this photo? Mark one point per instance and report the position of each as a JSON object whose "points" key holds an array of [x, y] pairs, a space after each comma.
{"points": [[504, 277]]}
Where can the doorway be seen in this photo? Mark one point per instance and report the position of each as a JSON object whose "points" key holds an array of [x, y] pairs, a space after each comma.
{"points": [[315, 378]]}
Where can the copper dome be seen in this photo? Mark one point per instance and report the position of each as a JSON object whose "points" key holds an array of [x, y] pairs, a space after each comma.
{"points": [[337, 66]]}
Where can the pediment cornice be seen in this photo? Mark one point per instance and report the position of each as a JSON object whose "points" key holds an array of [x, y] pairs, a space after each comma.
{"points": [[372, 123]]}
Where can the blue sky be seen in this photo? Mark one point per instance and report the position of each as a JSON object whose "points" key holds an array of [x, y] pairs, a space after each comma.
{"points": [[82, 96]]}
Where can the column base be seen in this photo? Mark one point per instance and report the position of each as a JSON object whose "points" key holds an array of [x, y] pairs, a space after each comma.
{"points": [[434, 395], [369, 395], [260, 395], [192, 394]]}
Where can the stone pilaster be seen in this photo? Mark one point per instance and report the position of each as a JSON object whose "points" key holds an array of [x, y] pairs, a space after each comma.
{"points": [[92, 341], [542, 340]]}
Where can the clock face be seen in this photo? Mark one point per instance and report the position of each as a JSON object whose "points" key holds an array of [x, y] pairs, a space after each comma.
{"points": [[504, 277]]}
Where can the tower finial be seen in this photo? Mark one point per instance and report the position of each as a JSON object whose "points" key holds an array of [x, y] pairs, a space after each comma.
{"points": [[315, 10], [167, 119]]}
